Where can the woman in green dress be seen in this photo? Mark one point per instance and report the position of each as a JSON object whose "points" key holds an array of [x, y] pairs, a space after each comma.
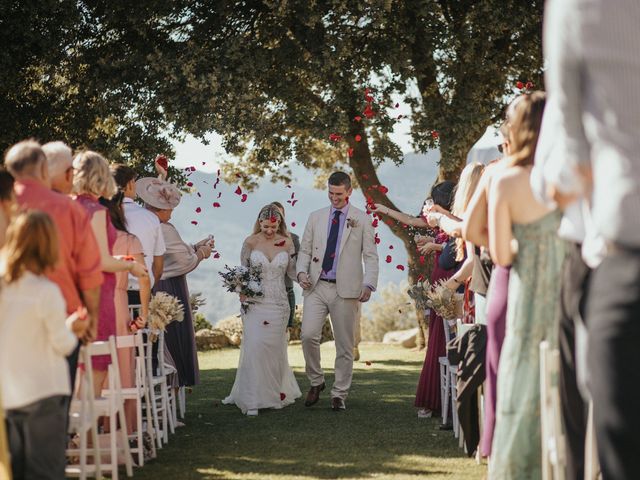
{"points": [[522, 233]]}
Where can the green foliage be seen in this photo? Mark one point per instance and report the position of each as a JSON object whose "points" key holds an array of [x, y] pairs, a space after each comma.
{"points": [[392, 311], [200, 322]]}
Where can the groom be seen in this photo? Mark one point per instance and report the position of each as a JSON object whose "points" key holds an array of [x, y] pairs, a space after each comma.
{"points": [[336, 242]]}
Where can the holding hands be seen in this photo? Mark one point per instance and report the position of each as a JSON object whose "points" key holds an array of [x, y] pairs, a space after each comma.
{"points": [[303, 280]]}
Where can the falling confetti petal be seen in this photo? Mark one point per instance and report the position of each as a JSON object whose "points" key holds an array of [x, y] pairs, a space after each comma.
{"points": [[293, 224], [216, 205], [280, 244], [193, 222], [238, 191], [244, 198], [358, 138], [198, 210], [400, 267], [189, 184], [163, 161], [520, 85], [388, 259]]}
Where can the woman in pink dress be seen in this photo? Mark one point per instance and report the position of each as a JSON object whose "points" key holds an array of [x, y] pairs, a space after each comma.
{"points": [[128, 247], [93, 180]]}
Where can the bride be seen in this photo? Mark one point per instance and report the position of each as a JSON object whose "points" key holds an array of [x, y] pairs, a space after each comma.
{"points": [[264, 378]]}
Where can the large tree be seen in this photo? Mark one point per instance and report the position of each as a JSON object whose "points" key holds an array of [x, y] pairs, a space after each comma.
{"points": [[281, 81]]}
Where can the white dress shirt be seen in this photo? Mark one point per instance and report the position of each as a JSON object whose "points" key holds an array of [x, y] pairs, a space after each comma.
{"points": [[145, 225], [34, 341], [591, 48]]}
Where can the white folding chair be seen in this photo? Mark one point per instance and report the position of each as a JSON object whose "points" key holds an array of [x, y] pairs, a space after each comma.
{"points": [[552, 433], [591, 462], [158, 389], [138, 393], [111, 406], [82, 420], [445, 375]]}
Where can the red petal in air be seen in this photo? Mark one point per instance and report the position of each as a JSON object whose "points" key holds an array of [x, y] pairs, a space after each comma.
{"points": [[529, 85], [377, 239], [520, 85], [420, 278], [357, 118], [198, 210], [383, 190], [189, 184], [368, 112], [293, 203], [198, 193], [434, 134], [374, 224], [388, 259], [273, 219], [265, 323], [397, 105], [216, 205], [350, 152], [400, 267], [216, 255], [219, 194], [293, 224], [282, 396], [358, 138], [218, 172], [193, 222], [238, 190], [244, 198], [293, 194], [390, 247], [288, 186], [163, 161]]}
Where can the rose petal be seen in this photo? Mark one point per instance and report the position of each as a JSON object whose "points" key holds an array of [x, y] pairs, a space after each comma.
{"points": [[389, 259], [390, 247], [434, 134], [198, 193], [244, 198], [383, 190], [193, 222], [293, 224], [265, 323], [238, 190], [420, 278], [198, 210], [189, 184], [529, 85], [293, 203], [520, 85], [162, 161], [282, 396], [280, 244], [219, 194], [216, 255], [357, 118], [400, 267], [216, 205], [358, 138]]}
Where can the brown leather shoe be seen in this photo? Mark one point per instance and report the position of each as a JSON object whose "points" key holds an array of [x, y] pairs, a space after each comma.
{"points": [[337, 404], [314, 395]]}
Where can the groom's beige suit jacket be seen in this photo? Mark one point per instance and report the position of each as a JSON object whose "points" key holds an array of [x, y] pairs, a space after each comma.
{"points": [[357, 249]]}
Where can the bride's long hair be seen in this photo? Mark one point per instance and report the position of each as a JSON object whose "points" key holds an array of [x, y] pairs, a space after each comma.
{"points": [[270, 212]]}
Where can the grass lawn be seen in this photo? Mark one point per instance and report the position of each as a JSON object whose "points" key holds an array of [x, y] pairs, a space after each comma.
{"points": [[378, 436]]}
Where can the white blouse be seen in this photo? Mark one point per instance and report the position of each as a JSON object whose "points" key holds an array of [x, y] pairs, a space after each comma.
{"points": [[34, 341]]}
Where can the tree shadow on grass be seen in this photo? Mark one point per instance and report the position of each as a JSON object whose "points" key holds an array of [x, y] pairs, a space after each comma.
{"points": [[378, 434]]}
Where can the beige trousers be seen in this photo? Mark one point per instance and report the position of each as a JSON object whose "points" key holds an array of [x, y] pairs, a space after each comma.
{"points": [[321, 301]]}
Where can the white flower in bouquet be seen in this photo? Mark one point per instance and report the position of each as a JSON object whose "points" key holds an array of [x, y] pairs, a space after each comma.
{"points": [[246, 281], [255, 286]]}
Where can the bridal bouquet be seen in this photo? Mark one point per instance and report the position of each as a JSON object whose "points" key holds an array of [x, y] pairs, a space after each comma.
{"points": [[246, 281], [164, 309], [446, 302]]}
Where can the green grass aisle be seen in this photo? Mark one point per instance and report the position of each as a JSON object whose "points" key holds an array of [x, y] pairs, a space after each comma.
{"points": [[379, 436]]}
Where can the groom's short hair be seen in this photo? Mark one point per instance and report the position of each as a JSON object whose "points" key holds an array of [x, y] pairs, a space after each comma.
{"points": [[340, 178]]}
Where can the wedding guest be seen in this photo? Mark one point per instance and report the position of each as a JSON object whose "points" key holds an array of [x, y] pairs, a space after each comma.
{"points": [[127, 245], [180, 258], [78, 273], [91, 181], [35, 385], [7, 202], [144, 225], [494, 278], [428, 398], [60, 163], [515, 214], [594, 47], [287, 281], [441, 194]]}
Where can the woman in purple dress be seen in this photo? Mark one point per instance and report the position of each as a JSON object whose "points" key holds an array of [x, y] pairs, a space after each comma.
{"points": [[92, 180]]}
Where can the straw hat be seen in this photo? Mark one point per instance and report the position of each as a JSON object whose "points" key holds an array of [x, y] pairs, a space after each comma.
{"points": [[158, 193]]}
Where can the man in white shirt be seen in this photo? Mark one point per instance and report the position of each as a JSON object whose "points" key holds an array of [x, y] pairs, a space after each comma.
{"points": [[593, 67], [144, 225]]}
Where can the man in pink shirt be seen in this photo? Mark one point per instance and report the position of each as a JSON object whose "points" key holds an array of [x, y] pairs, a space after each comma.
{"points": [[79, 271]]}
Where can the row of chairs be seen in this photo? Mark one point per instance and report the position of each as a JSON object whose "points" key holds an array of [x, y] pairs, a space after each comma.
{"points": [[155, 403]]}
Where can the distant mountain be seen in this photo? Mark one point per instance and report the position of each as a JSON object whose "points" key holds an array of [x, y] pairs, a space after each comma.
{"points": [[408, 185]]}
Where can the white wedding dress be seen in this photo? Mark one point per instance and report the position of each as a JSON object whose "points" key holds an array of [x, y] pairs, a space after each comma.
{"points": [[264, 378]]}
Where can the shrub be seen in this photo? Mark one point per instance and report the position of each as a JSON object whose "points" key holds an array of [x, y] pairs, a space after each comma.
{"points": [[393, 310], [200, 322], [294, 334]]}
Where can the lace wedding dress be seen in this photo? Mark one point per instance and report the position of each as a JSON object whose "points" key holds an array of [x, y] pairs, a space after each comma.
{"points": [[264, 378]]}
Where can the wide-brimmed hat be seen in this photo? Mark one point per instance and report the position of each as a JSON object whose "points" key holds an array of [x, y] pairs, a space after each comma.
{"points": [[158, 193]]}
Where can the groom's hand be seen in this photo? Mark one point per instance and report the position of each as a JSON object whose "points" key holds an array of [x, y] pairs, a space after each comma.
{"points": [[304, 281], [365, 295]]}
